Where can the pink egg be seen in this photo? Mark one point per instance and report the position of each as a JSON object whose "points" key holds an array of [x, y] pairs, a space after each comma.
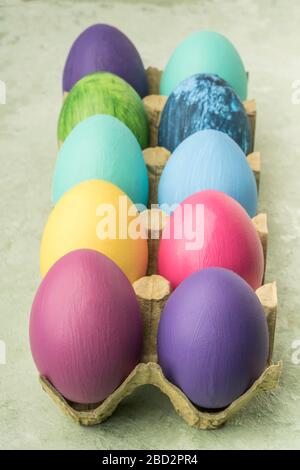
{"points": [[85, 326], [210, 229]]}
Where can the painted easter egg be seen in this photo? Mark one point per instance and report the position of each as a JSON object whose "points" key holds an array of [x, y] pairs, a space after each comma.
{"points": [[205, 52], [102, 147], [210, 229], [203, 102], [103, 48], [85, 327], [213, 338], [98, 215], [104, 93], [208, 159]]}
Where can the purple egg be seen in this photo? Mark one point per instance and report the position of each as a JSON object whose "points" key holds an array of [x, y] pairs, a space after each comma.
{"points": [[103, 48], [213, 338], [85, 326]]}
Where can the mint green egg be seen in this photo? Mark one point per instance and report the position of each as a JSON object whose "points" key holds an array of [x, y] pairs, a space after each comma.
{"points": [[102, 147], [205, 52]]}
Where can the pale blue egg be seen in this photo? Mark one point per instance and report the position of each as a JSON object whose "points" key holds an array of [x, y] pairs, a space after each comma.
{"points": [[208, 159]]}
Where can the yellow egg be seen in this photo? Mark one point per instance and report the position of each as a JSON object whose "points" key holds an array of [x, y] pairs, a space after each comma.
{"points": [[96, 214]]}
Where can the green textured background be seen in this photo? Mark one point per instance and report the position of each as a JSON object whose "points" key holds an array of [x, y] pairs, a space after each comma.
{"points": [[35, 37]]}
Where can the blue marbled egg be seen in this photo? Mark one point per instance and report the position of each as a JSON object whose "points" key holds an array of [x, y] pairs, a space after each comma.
{"points": [[200, 102]]}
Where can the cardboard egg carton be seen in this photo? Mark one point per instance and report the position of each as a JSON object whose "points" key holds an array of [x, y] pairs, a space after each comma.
{"points": [[154, 104], [152, 292]]}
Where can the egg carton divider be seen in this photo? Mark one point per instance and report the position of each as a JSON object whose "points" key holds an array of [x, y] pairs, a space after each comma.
{"points": [[154, 104], [156, 159]]}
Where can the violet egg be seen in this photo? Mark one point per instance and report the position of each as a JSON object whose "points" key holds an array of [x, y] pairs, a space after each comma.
{"points": [[103, 48], [213, 338]]}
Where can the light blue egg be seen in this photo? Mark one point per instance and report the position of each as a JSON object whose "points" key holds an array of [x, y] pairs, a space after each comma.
{"points": [[208, 159], [102, 147]]}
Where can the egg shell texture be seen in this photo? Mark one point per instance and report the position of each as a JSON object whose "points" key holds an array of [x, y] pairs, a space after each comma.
{"points": [[85, 327], [104, 48], [104, 93], [208, 159], [210, 229], [98, 215], [213, 338], [200, 102], [205, 52], [102, 147]]}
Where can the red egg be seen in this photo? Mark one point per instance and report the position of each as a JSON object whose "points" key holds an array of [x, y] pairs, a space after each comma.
{"points": [[85, 326], [210, 229]]}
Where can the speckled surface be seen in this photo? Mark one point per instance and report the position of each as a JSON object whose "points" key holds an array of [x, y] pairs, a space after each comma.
{"points": [[220, 109], [35, 37]]}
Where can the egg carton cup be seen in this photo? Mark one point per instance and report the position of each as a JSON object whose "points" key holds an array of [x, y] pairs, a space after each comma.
{"points": [[157, 157], [154, 104], [152, 292]]}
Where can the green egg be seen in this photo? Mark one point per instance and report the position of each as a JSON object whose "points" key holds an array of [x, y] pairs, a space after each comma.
{"points": [[205, 52], [104, 93]]}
